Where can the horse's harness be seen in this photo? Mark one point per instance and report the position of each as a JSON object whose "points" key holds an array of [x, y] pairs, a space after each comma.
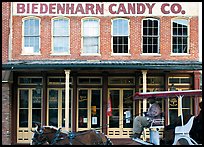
{"points": [[71, 136]]}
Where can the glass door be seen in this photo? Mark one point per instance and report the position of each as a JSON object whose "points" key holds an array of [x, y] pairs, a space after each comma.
{"points": [[121, 121], [29, 112], [56, 107], [89, 109]]}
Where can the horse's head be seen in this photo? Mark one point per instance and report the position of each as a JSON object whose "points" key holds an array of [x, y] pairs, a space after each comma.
{"points": [[45, 135], [38, 138]]}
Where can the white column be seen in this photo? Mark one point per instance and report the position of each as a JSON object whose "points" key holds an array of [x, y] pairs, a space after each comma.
{"points": [[144, 77], [67, 73], [144, 74]]}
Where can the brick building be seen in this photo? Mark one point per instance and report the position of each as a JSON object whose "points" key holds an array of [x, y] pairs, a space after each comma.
{"points": [[62, 61]]}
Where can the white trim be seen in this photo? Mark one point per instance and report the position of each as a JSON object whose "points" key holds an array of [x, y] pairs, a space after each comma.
{"points": [[188, 36], [123, 18], [158, 38], [52, 40], [82, 37], [23, 47]]}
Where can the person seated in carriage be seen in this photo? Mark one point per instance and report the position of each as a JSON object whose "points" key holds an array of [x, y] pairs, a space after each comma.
{"points": [[140, 122]]}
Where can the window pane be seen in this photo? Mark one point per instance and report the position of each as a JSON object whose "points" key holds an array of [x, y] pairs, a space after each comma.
{"points": [[36, 98], [36, 116], [91, 27], [150, 36], [120, 27], [83, 94], [90, 45], [53, 117], [82, 120], [23, 99], [180, 32], [23, 118], [61, 44], [53, 99], [60, 27]]}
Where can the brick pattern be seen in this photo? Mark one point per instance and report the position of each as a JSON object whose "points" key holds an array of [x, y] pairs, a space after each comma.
{"points": [[5, 30], [105, 40], [6, 114]]}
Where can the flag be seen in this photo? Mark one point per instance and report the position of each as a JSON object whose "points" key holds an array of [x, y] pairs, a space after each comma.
{"points": [[109, 107]]}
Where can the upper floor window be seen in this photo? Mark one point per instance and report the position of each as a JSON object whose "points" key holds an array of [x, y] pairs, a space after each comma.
{"points": [[120, 35], [31, 35], [61, 36], [150, 35], [90, 36], [180, 36]]}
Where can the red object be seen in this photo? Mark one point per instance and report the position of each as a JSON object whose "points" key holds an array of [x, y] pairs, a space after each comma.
{"points": [[109, 107]]}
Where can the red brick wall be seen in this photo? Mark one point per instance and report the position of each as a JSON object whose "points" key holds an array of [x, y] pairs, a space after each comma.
{"points": [[105, 40], [5, 30]]}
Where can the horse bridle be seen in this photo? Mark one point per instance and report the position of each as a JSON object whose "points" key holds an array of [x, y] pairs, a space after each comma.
{"points": [[44, 139], [71, 136], [37, 142]]}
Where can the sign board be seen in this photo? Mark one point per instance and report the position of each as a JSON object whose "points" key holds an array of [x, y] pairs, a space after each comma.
{"points": [[106, 8]]}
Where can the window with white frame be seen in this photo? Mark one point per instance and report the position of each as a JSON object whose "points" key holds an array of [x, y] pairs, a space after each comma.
{"points": [[180, 36], [31, 35], [120, 35], [90, 36], [61, 36], [150, 36]]}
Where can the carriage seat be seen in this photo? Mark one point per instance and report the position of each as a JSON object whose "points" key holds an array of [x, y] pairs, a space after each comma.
{"points": [[182, 132], [185, 129]]}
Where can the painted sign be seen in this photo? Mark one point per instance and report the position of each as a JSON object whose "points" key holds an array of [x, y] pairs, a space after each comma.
{"points": [[107, 8]]}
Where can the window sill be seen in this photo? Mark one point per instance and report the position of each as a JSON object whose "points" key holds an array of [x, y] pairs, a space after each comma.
{"points": [[89, 54], [120, 54], [31, 54], [180, 54], [150, 54], [60, 54]]}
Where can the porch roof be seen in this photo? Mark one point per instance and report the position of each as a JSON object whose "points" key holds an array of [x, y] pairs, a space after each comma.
{"points": [[103, 64]]}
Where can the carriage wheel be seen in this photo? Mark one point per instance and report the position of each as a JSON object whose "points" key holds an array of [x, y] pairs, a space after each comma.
{"points": [[182, 141]]}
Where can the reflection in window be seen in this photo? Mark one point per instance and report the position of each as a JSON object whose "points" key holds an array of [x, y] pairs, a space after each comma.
{"points": [[120, 35], [90, 36], [150, 35], [61, 35], [31, 35], [180, 36]]}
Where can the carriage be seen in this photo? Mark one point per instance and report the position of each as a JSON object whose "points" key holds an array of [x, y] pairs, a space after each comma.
{"points": [[54, 136], [181, 132]]}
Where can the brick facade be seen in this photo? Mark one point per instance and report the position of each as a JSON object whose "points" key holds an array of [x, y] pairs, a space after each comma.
{"points": [[105, 40], [6, 114], [11, 52]]}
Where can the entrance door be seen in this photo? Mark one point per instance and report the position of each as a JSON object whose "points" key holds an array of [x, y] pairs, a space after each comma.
{"points": [[56, 108], [121, 121], [89, 109], [29, 111]]}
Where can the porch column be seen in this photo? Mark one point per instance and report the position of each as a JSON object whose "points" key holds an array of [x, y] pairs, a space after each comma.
{"points": [[67, 73], [144, 77], [196, 86]]}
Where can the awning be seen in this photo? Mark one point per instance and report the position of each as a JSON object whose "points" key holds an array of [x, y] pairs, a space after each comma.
{"points": [[166, 94], [103, 64]]}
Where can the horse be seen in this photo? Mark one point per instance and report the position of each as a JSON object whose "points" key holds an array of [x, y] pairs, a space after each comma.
{"points": [[49, 135]]}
